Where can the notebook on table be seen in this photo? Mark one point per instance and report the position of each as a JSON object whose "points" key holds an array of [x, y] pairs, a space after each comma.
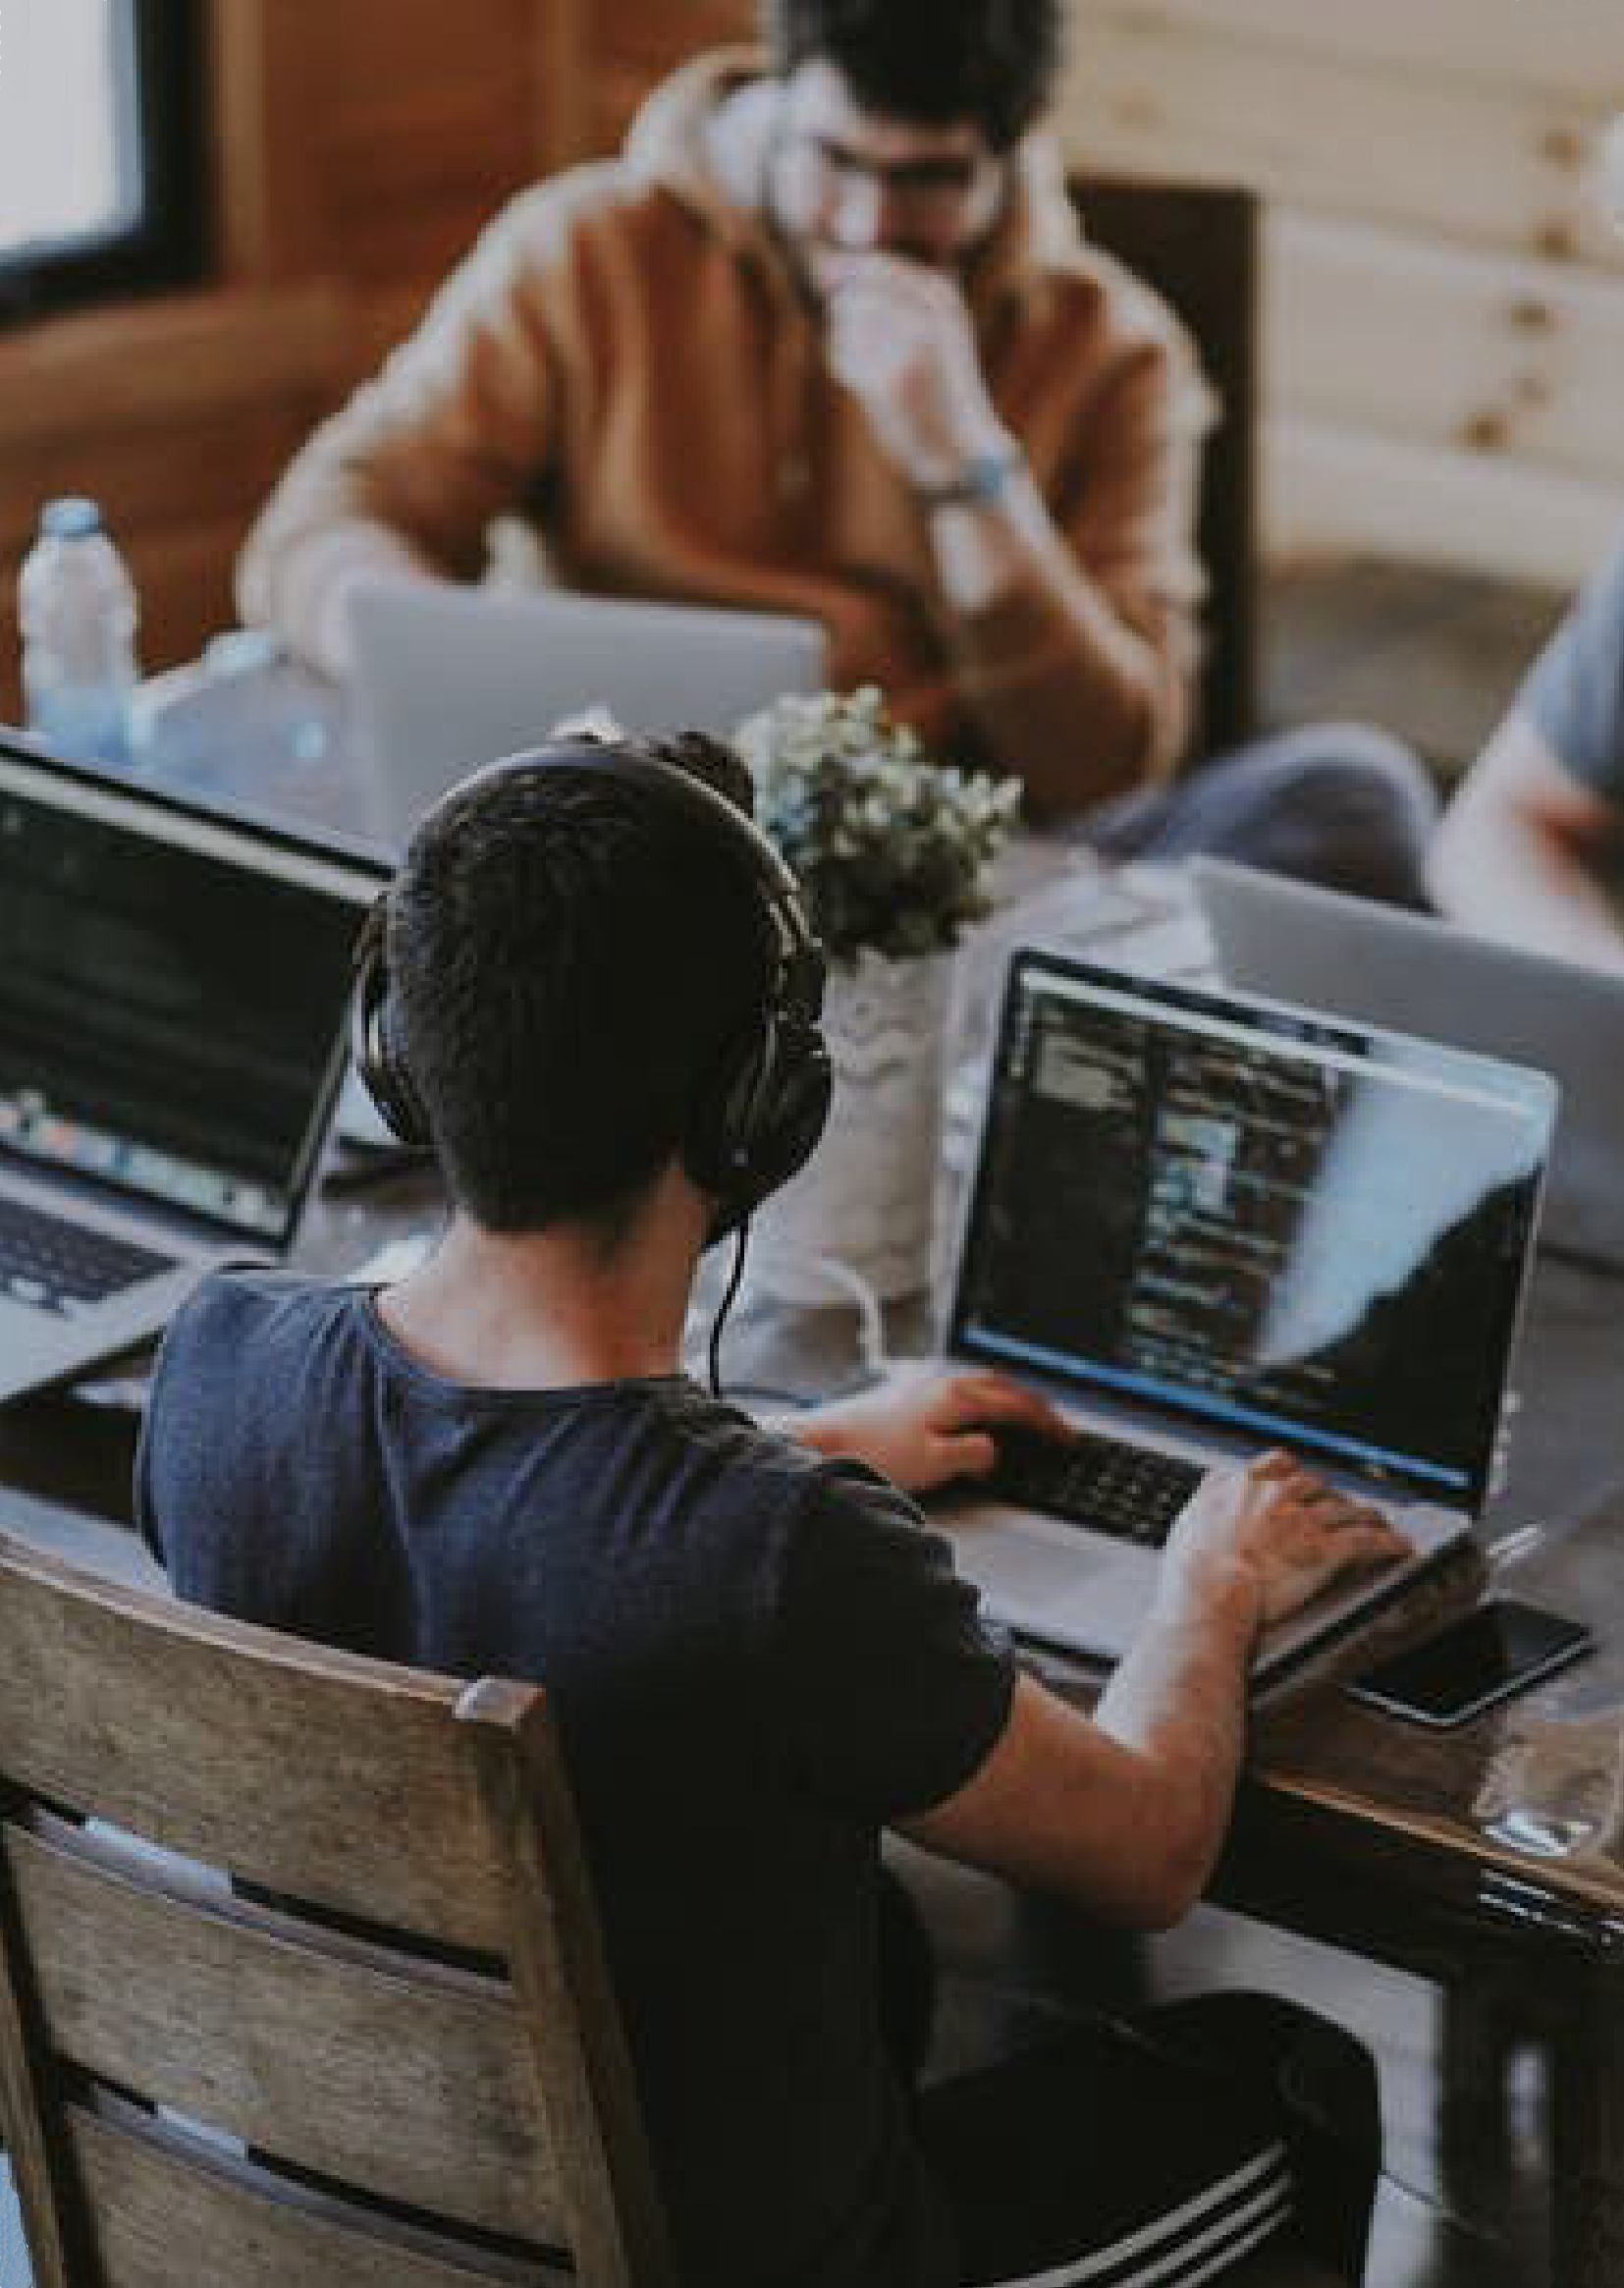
{"points": [[447, 678], [1377, 962], [1209, 1227], [174, 997]]}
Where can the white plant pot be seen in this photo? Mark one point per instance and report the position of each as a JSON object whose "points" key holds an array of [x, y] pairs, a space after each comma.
{"points": [[863, 1204]]}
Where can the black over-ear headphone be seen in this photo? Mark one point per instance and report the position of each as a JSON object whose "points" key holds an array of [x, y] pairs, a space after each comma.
{"points": [[761, 1108]]}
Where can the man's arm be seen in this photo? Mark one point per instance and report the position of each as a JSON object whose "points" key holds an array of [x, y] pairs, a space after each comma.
{"points": [[1126, 1813], [1525, 850], [403, 481], [1076, 650]]}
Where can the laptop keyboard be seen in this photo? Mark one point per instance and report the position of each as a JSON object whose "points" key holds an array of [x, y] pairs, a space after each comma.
{"points": [[1127, 1490], [59, 1265]]}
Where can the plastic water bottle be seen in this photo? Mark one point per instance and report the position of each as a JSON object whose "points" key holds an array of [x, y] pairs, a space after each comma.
{"points": [[76, 610]]}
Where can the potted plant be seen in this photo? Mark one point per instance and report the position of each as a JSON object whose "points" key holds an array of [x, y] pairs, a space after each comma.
{"points": [[891, 849]]}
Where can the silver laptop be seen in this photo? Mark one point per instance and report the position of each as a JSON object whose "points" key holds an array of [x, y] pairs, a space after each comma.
{"points": [[1209, 1227], [448, 678], [1359, 960], [174, 989]]}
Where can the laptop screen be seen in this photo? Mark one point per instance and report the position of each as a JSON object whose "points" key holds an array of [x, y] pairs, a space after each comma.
{"points": [[1255, 1220], [173, 996]]}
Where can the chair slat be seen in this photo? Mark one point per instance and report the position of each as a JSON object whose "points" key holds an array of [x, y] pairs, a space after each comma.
{"points": [[405, 2079], [298, 1786], [148, 2198], [490, 2102]]}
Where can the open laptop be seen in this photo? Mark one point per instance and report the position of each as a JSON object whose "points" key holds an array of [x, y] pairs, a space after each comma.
{"points": [[1358, 959], [447, 678], [173, 996], [1209, 1227]]}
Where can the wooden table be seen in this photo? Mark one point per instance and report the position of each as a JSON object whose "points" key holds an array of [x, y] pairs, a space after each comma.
{"points": [[1489, 1857]]}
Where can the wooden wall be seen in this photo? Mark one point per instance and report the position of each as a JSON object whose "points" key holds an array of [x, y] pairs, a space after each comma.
{"points": [[1444, 308], [1443, 300], [1442, 297], [358, 148]]}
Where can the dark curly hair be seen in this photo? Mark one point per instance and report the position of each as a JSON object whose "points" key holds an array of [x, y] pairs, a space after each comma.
{"points": [[568, 958], [933, 62]]}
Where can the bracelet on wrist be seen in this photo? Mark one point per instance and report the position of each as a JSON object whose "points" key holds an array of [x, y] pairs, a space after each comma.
{"points": [[982, 478]]}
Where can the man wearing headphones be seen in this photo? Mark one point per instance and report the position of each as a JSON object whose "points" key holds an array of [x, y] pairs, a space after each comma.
{"points": [[592, 989]]}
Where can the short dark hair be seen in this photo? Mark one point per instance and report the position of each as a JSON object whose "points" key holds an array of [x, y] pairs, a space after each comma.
{"points": [[934, 61], [568, 956]]}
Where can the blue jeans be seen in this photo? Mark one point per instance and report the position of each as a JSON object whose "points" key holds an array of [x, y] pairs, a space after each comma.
{"points": [[1337, 803]]}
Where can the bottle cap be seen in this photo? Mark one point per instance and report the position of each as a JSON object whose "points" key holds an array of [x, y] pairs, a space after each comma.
{"points": [[71, 517]]}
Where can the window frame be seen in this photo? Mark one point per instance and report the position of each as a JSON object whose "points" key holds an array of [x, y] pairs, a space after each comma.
{"points": [[165, 244]]}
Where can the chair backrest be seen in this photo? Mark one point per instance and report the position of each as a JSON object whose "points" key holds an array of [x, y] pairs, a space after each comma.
{"points": [[1197, 245], [387, 2051]]}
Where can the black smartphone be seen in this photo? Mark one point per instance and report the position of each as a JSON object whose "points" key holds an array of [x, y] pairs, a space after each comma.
{"points": [[1485, 1656]]}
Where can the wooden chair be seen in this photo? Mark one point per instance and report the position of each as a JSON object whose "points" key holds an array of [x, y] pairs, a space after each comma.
{"points": [[414, 2053], [1198, 247]]}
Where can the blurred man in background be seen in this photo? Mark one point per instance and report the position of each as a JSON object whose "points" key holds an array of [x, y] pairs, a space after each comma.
{"points": [[827, 339]]}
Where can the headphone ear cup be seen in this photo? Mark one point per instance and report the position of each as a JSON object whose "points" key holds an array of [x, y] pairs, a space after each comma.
{"points": [[393, 1091], [717, 1133], [758, 1116], [373, 1050], [795, 1110]]}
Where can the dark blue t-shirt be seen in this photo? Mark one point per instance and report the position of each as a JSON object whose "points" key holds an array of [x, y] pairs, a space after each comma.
{"points": [[755, 1660], [1574, 692]]}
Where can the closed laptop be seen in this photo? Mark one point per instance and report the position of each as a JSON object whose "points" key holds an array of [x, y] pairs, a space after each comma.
{"points": [[448, 678], [1359, 960]]}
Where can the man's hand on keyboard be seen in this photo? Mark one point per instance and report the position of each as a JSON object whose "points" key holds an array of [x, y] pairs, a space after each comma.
{"points": [[1275, 1526], [922, 1428]]}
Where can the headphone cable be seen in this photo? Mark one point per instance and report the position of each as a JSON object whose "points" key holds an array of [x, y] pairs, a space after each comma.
{"points": [[741, 1241]]}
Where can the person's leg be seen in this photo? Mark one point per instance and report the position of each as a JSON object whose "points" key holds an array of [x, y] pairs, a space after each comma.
{"points": [[1338, 803], [1325, 2082], [1105, 2155]]}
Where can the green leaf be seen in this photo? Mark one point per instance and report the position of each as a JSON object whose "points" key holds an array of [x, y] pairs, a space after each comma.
{"points": [[890, 846]]}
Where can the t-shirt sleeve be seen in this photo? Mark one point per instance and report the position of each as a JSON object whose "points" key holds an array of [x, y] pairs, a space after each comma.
{"points": [[1574, 692], [896, 1688], [157, 1432], [184, 1426]]}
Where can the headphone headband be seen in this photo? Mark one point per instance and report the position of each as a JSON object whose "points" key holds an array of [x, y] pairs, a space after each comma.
{"points": [[631, 765], [762, 1111]]}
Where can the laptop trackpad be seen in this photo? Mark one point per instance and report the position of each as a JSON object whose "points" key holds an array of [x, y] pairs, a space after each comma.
{"points": [[1068, 1587], [1035, 1575]]}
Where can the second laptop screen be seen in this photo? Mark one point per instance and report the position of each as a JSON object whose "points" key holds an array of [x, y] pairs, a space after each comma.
{"points": [[1297, 1231]]}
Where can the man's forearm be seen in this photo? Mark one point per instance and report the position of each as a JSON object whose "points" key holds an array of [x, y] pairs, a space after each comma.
{"points": [[1125, 1812], [1503, 877], [1072, 700], [1527, 851], [1179, 1700], [304, 589]]}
